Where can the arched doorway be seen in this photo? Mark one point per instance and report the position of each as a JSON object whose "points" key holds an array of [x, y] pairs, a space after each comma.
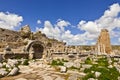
{"points": [[35, 49]]}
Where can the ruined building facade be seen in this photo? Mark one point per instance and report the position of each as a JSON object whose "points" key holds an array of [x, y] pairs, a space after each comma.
{"points": [[25, 43], [103, 44]]}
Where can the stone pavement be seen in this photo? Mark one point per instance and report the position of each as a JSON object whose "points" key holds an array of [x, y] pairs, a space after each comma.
{"points": [[43, 72]]}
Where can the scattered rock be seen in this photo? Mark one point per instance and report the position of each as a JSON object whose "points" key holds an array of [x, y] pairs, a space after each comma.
{"points": [[14, 71], [97, 74], [77, 65], [86, 66], [3, 72], [82, 69], [109, 61], [4, 63], [119, 78], [63, 69], [92, 71], [73, 77], [82, 74], [12, 63], [68, 64], [110, 66], [71, 55], [8, 66]]}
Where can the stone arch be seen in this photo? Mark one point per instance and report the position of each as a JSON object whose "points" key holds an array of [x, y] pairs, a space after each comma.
{"points": [[35, 49]]}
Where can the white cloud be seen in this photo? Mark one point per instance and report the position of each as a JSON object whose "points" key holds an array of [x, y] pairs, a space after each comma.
{"points": [[55, 31], [110, 20], [9, 20], [62, 24], [50, 30], [90, 26], [113, 11], [38, 21]]}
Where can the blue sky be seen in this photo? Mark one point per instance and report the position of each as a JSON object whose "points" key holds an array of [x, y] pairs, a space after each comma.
{"points": [[63, 18]]}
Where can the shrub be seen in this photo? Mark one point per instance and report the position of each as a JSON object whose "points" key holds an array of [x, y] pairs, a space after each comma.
{"points": [[106, 73], [57, 62], [4, 66], [64, 60], [88, 61], [26, 62], [103, 62], [102, 67]]}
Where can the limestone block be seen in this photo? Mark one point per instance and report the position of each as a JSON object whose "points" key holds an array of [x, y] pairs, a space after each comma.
{"points": [[68, 64], [3, 72], [14, 71], [86, 65], [110, 66], [97, 74], [12, 62], [63, 69]]}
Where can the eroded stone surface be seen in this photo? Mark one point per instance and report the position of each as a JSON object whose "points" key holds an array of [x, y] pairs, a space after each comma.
{"points": [[14, 71], [21, 79], [103, 44]]}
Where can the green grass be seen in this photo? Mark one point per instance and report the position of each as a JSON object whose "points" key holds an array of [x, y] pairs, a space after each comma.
{"points": [[57, 62], [102, 67], [89, 75], [103, 62], [26, 62], [106, 74], [88, 61], [64, 60]]}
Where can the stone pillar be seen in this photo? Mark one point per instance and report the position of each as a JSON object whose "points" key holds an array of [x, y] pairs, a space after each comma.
{"points": [[98, 49], [103, 48], [31, 54], [104, 42]]}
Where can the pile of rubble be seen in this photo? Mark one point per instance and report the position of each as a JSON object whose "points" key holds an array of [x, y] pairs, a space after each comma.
{"points": [[9, 68]]}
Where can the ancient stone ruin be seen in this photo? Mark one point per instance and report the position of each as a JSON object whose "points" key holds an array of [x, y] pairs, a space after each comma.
{"points": [[103, 43], [36, 45], [26, 44], [24, 53]]}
